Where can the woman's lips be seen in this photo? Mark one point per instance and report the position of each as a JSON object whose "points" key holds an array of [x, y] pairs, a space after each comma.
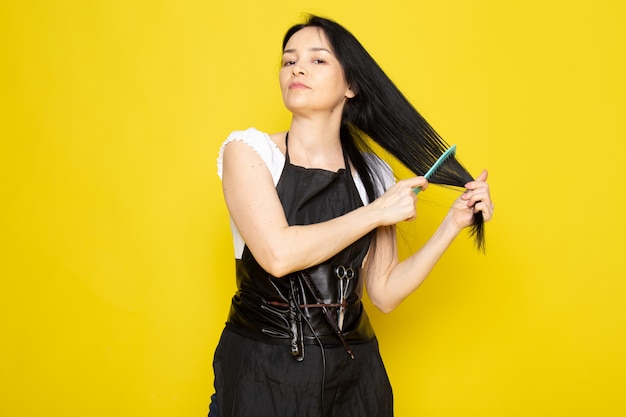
{"points": [[297, 85]]}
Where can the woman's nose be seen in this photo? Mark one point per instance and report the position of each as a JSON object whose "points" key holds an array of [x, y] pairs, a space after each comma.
{"points": [[297, 69]]}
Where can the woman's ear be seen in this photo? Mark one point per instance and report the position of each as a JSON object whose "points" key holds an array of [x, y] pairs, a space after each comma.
{"points": [[350, 93]]}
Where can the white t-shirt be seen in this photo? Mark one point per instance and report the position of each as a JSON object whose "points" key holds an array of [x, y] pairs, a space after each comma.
{"points": [[265, 147]]}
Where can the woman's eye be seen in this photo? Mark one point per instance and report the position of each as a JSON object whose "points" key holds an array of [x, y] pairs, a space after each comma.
{"points": [[319, 61], [287, 63]]}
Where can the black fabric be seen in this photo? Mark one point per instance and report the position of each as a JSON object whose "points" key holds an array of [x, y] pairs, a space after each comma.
{"points": [[258, 309], [255, 371], [256, 379], [308, 196]]}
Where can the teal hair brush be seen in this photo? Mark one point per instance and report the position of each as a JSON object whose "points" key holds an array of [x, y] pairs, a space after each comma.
{"points": [[443, 158]]}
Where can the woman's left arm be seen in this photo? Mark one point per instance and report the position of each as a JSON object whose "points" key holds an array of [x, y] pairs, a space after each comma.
{"points": [[388, 281]]}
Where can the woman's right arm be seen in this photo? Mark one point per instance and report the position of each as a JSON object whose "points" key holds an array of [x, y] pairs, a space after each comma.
{"points": [[280, 249]]}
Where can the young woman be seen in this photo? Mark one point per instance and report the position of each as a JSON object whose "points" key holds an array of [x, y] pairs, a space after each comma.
{"points": [[313, 221]]}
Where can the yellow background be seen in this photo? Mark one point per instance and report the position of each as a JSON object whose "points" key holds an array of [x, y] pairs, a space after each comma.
{"points": [[116, 256]]}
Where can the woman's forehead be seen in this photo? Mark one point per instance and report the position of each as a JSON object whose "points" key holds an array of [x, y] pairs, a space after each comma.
{"points": [[308, 38]]}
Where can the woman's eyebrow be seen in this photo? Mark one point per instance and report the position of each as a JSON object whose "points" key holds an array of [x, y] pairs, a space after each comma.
{"points": [[314, 49]]}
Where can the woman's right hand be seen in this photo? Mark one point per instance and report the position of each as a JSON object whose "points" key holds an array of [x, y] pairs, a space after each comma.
{"points": [[398, 202]]}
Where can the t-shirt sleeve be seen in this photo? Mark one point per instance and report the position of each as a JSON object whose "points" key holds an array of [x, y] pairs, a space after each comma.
{"points": [[261, 143]]}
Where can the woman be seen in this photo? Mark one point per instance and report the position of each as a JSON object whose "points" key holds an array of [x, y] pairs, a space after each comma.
{"points": [[313, 221]]}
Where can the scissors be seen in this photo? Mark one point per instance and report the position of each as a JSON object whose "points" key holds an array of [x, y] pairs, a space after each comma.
{"points": [[345, 275]]}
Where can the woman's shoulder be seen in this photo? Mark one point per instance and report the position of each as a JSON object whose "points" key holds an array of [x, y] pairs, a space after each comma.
{"points": [[265, 145], [250, 135], [256, 138]]}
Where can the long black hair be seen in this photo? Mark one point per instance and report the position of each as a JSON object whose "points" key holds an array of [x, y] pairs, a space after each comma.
{"points": [[381, 112]]}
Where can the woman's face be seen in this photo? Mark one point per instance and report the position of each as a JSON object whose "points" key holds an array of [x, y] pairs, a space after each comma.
{"points": [[311, 77]]}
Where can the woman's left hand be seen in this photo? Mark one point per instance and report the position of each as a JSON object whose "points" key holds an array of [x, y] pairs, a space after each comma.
{"points": [[476, 198]]}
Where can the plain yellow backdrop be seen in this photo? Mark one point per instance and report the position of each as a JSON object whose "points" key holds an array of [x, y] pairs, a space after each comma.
{"points": [[116, 261]]}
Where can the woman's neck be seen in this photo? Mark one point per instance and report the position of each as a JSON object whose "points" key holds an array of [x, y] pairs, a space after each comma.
{"points": [[315, 145]]}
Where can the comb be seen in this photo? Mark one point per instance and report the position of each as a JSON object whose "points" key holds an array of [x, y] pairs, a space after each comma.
{"points": [[443, 158]]}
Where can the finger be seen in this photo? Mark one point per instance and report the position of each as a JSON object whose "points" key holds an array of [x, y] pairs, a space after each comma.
{"points": [[485, 200], [485, 208], [417, 183], [480, 180], [471, 197], [425, 184]]}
